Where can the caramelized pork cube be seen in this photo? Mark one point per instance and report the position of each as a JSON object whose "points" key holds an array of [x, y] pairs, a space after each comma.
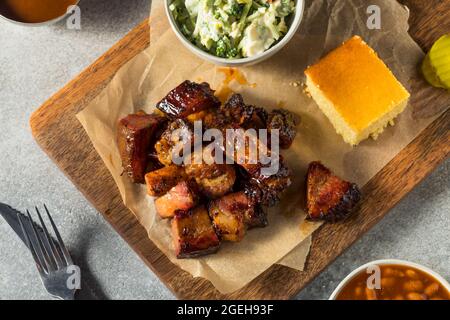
{"points": [[256, 217], [246, 116], [176, 135], [193, 233], [267, 189], [236, 110], [213, 180], [183, 196], [233, 214], [258, 119], [328, 197], [268, 180], [228, 218], [219, 183], [153, 163], [188, 98], [274, 185], [286, 124], [134, 139], [159, 182], [199, 116]]}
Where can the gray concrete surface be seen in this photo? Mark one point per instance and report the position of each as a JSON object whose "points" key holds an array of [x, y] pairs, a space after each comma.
{"points": [[34, 64]]}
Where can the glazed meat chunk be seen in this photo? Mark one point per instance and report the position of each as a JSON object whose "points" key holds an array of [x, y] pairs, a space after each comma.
{"points": [[268, 180], [193, 233], [267, 189], [213, 180], [327, 196], [183, 196], [219, 182], [246, 116], [286, 123], [274, 185], [159, 182], [256, 217], [134, 139], [172, 140], [188, 98], [228, 218], [233, 214], [236, 110]]}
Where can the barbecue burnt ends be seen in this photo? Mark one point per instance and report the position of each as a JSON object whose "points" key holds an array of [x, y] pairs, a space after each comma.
{"points": [[233, 214], [176, 131], [160, 181], [188, 98], [183, 196], [207, 203], [286, 123], [328, 197], [136, 133], [213, 180], [193, 234], [267, 190], [246, 116]]}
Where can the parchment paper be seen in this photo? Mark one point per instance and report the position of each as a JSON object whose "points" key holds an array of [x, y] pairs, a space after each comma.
{"points": [[150, 75]]}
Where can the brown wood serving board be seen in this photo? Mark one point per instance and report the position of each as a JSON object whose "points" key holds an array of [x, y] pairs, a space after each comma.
{"points": [[61, 136]]}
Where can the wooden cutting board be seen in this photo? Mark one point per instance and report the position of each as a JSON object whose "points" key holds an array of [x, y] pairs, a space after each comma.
{"points": [[61, 136]]}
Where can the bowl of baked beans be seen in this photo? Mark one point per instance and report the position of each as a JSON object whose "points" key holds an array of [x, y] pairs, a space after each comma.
{"points": [[392, 279], [35, 13]]}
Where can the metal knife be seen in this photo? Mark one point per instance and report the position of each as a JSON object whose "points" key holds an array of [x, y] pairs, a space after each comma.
{"points": [[10, 215]]}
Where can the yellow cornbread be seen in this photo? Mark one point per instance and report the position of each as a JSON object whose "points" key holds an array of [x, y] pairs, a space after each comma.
{"points": [[356, 91]]}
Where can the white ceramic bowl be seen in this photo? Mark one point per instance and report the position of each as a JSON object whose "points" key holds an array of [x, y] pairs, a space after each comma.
{"points": [[38, 24], [388, 262], [293, 27]]}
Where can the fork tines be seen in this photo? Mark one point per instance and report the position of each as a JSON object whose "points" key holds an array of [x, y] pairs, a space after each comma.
{"points": [[49, 254]]}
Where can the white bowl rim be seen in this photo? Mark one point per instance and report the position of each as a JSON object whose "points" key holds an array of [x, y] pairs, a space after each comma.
{"points": [[296, 22], [39, 24], [420, 267]]}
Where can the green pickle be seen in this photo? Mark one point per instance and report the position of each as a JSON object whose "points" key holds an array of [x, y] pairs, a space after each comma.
{"points": [[436, 66]]}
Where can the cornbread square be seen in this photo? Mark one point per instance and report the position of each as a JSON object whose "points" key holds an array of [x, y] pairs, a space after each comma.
{"points": [[356, 91]]}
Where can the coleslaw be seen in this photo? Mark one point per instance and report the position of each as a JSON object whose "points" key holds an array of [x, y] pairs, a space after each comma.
{"points": [[233, 28]]}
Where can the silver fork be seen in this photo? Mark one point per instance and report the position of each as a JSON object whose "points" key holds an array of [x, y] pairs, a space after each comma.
{"points": [[59, 275]]}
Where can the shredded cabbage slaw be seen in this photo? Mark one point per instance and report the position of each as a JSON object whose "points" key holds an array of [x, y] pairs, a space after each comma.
{"points": [[233, 28]]}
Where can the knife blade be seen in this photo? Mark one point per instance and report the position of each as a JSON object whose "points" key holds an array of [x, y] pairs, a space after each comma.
{"points": [[11, 217]]}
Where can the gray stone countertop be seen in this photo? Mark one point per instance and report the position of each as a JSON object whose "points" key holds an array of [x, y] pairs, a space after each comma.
{"points": [[34, 64]]}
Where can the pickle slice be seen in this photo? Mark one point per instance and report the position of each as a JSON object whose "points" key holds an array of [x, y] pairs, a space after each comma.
{"points": [[436, 66], [430, 74]]}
